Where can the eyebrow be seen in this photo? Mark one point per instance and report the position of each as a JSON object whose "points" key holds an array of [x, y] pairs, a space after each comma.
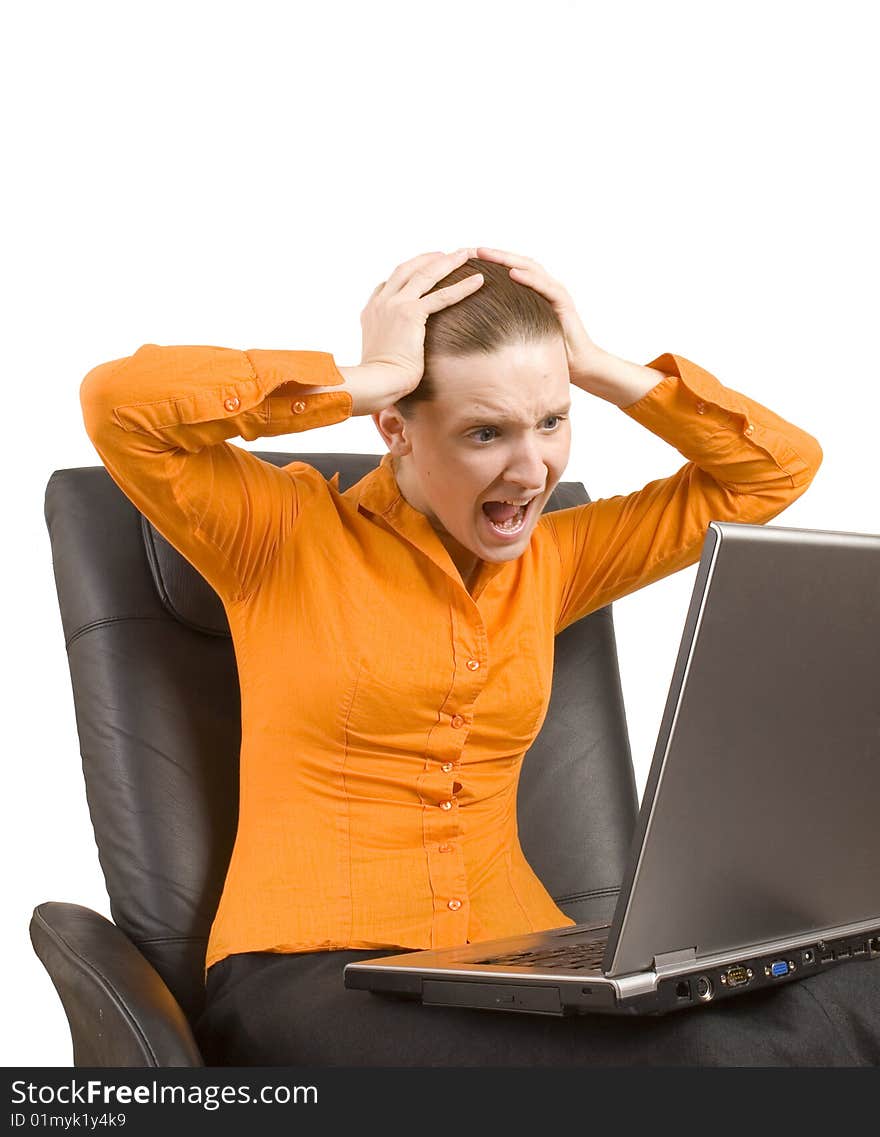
{"points": [[491, 418]]}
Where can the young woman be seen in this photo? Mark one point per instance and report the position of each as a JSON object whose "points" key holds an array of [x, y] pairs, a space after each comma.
{"points": [[394, 645]]}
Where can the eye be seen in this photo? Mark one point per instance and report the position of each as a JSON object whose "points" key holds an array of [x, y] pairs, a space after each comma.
{"points": [[557, 419]]}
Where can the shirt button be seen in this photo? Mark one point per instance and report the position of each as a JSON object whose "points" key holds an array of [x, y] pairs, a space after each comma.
{"points": [[446, 805], [473, 664], [453, 904], [446, 767], [298, 407], [750, 428], [701, 408], [232, 403], [445, 848], [457, 721]]}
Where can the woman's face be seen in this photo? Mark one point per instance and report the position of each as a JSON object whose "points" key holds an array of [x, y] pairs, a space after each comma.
{"points": [[498, 429]]}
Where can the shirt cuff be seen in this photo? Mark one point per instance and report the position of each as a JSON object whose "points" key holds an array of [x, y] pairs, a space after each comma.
{"points": [[284, 378], [686, 390]]}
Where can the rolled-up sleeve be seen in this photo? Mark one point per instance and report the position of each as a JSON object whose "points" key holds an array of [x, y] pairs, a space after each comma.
{"points": [[159, 420], [745, 463]]}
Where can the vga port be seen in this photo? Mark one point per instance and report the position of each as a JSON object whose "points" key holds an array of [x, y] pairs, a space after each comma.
{"points": [[736, 976]]}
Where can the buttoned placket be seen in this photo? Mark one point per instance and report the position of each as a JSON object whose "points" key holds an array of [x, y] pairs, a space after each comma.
{"points": [[442, 779], [441, 783]]}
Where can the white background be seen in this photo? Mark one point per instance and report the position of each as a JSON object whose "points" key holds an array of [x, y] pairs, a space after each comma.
{"points": [[699, 176]]}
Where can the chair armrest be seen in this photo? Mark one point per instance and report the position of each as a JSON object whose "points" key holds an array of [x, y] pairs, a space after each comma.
{"points": [[120, 1010]]}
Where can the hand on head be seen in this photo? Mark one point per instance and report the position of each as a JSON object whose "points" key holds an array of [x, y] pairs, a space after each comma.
{"points": [[393, 326]]}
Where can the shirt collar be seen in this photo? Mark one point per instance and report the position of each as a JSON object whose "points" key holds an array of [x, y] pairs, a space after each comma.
{"points": [[378, 490], [379, 493]]}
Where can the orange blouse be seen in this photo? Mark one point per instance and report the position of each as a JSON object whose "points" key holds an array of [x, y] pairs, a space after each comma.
{"points": [[386, 710]]}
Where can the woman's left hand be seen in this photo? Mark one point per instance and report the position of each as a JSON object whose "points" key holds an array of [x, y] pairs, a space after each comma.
{"points": [[583, 354]]}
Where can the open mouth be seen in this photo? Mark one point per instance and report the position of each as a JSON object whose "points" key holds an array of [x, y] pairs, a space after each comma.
{"points": [[507, 518]]}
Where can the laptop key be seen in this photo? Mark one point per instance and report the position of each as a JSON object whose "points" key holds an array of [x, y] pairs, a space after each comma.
{"points": [[578, 957]]}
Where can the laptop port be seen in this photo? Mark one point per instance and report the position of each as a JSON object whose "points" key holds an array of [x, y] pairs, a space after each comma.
{"points": [[683, 990], [860, 949], [736, 976], [843, 952], [874, 945], [808, 955], [827, 955], [778, 968], [705, 990]]}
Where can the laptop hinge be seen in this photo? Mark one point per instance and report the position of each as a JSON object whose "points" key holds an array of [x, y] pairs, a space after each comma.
{"points": [[674, 958]]}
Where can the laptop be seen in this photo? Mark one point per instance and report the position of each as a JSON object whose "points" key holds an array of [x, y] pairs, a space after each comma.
{"points": [[755, 858]]}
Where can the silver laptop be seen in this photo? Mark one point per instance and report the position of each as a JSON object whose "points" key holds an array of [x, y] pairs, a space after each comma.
{"points": [[755, 857]]}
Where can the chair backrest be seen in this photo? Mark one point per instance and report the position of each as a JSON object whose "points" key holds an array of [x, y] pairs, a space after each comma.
{"points": [[157, 706]]}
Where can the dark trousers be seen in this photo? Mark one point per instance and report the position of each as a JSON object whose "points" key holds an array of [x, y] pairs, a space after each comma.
{"points": [[291, 1009]]}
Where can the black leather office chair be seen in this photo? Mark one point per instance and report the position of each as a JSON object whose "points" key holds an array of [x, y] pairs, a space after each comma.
{"points": [[156, 694]]}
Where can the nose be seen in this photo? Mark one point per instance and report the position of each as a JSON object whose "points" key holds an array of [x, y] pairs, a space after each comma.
{"points": [[527, 469]]}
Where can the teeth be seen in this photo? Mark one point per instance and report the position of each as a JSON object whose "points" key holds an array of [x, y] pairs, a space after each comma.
{"points": [[513, 525]]}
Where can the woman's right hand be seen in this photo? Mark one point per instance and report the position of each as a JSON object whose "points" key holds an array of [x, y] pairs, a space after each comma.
{"points": [[393, 325]]}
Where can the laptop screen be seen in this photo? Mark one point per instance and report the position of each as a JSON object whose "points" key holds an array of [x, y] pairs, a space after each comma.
{"points": [[759, 816]]}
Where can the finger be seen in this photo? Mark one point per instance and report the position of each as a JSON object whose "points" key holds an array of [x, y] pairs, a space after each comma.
{"points": [[404, 271], [539, 280], [420, 259], [426, 276], [504, 257], [443, 297]]}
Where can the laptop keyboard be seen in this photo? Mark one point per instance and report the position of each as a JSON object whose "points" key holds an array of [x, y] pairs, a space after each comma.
{"points": [[571, 957]]}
